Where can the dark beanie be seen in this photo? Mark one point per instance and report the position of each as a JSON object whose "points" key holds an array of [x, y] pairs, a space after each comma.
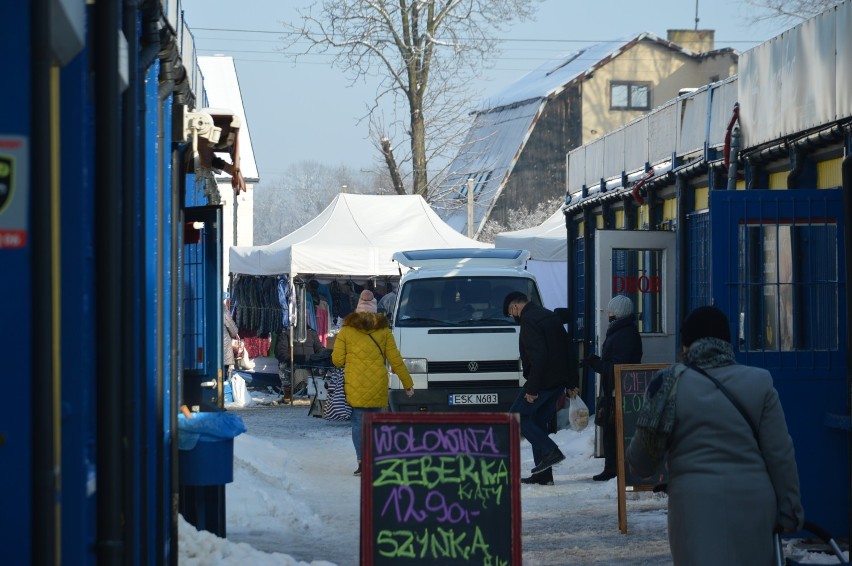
{"points": [[705, 322], [510, 298]]}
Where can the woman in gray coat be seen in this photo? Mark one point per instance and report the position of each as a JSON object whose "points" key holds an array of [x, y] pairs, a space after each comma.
{"points": [[230, 332], [732, 475]]}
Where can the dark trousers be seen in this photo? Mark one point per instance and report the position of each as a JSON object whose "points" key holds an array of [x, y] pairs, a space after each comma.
{"points": [[535, 417]]}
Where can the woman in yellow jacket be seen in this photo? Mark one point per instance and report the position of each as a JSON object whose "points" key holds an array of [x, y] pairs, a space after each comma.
{"points": [[361, 347]]}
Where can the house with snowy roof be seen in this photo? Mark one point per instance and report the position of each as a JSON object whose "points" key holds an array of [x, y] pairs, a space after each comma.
{"points": [[514, 155]]}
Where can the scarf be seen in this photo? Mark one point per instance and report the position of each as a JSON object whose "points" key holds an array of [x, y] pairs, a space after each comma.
{"points": [[657, 416]]}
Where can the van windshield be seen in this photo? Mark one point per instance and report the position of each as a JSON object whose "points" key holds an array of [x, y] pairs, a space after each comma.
{"points": [[460, 301]]}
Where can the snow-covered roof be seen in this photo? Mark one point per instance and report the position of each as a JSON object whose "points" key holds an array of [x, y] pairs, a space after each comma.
{"points": [[555, 75], [222, 88], [493, 144], [504, 122]]}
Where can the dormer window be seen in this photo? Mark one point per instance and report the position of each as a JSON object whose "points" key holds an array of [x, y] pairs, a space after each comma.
{"points": [[479, 182], [627, 95]]}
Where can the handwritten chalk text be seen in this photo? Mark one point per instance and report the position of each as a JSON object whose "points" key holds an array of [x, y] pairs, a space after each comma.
{"points": [[437, 544]]}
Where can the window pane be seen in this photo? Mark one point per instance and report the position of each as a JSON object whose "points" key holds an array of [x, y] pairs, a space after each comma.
{"points": [[619, 96], [639, 96], [815, 252], [770, 291], [638, 275], [460, 301], [788, 287], [785, 289]]}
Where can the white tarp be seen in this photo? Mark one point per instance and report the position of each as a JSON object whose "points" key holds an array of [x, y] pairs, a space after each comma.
{"points": [[546, 242], [548, 247], [356, 235]]}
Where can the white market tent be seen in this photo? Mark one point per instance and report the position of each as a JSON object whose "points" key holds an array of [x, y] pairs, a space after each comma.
{"points": [[548, 247], [355, 236]]}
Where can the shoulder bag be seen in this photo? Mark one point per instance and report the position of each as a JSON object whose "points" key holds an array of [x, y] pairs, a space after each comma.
{"points": [[379, 347], [734, 401]]}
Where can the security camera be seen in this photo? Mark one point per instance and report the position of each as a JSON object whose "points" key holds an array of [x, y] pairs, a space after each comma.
{"points": [[229, 125], [200, 123]]}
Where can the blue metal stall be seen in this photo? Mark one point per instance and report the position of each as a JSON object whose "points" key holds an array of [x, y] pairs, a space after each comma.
{"points": [[778, 268]]}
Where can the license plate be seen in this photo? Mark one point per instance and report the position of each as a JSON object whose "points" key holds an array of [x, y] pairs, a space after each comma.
{"points": [[473, 399]]}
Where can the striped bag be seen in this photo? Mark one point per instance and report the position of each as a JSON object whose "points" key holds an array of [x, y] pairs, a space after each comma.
{"points": [[336, 408]]}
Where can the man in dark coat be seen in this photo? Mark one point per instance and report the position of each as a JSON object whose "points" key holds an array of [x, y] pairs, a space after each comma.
{"points": [[548, 368], [622, 345]]}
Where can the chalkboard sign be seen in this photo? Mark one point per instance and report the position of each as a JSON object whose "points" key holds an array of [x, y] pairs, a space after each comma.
{"points": [[631, 381], [440, 488]]}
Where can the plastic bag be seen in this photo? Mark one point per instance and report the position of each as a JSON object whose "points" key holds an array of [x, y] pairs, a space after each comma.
{"points": [[578, 414], [244, 362], [240, 391]]}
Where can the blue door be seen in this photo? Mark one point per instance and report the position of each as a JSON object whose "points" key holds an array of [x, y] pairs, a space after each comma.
{"points": [[778, 271]]}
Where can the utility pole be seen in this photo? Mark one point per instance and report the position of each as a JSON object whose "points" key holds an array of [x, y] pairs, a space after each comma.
{"points": [[470, 208]]}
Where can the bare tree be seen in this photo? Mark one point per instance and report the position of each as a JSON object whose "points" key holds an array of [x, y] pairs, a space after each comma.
{"points": [[423, 52], [307, 187], [789, 12]]}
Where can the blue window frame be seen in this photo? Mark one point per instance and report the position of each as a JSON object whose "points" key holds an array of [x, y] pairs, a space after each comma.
{"points": [[788, 286], [699, 284], [579, 282]]}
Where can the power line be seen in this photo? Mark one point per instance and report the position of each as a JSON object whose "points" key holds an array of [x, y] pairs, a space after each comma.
{"points": [[509, 40], [306, 59]]}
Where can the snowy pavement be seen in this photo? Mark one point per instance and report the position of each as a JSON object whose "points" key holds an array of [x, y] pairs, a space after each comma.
{"points": [[294, 501]]}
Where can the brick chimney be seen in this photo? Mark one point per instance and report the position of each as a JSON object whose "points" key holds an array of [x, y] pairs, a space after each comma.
{"points": [[696, 40]]}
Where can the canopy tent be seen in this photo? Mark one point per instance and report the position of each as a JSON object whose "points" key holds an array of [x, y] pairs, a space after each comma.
{"points": [[355, 236], [548, 247]]}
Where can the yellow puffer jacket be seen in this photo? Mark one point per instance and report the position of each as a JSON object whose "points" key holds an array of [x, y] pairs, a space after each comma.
{"points": [[365, 375]]}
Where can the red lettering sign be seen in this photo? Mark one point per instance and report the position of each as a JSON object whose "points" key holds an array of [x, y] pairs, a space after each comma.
{"points": [[631, 284]]}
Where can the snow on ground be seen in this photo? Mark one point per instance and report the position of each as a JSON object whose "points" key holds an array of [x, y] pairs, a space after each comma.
{"points": [[294, 501]]}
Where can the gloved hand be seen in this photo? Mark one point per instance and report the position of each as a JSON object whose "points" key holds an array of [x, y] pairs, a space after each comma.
{"points": [[589, 361]]}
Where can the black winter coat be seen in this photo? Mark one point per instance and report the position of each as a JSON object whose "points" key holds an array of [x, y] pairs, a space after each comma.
{"points": [[546, 351], [622, 345]]}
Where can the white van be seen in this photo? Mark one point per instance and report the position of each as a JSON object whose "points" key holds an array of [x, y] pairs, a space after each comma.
{"points": [[460, 349]]}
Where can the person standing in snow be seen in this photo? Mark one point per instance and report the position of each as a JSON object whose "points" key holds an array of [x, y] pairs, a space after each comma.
{"points": [[732, 475], [230, 332], [622, 345], [362, 347], [547, 366]]}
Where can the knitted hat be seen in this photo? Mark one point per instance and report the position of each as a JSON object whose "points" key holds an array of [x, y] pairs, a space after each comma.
{"points": [[705, 322], [366, 302], [620, 306], [510, 298]]}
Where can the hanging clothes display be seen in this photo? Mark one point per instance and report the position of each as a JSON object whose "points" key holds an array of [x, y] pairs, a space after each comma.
{"points": [[322, 292], [256, 305], [323, 322], [284, 291]]}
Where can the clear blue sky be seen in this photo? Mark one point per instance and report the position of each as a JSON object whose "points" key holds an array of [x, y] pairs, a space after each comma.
{"points": [[308, 111]]}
